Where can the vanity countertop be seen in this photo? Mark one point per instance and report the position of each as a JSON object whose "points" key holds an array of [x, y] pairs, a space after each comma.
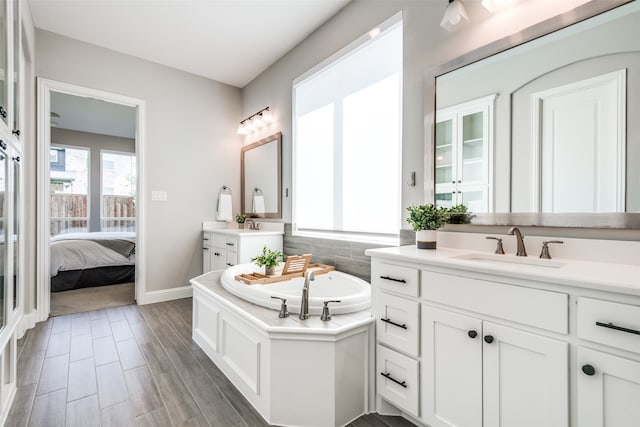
{"points": [[620, 278], [239, 232]]}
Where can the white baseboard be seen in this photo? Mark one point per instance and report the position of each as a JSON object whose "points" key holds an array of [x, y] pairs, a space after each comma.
{"points": [[27, 321], [152, 297]]}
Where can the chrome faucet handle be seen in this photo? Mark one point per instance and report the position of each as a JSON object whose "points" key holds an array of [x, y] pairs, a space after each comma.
{"points": [[326, 316], [283, 307], [544, 254], [499, 248]]}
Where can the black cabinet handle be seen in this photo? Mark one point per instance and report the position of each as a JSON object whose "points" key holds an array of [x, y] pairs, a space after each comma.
{"points": [[16, 132], [3, 112], [472, 334], [205, 238], [230, 265], [588, 370], [488, 339], [230, 244], [16, 159], [216, 253], [391, 322], [205, 249], [3, 144], [618, 328], [389, 377], [393, 279]]}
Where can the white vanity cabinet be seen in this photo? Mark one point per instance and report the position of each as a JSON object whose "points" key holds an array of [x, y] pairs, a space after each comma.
{"points": [[227, 247], [502, 347]]}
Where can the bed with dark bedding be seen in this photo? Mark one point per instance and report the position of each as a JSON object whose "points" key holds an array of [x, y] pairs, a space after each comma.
{"points": [[81, 260]]}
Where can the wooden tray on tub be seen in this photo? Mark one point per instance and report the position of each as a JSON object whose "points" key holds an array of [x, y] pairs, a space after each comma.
{"points": [[295, 266]]}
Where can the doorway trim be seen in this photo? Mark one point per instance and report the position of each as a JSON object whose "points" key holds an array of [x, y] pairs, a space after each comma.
{"points": [[43, 266]]}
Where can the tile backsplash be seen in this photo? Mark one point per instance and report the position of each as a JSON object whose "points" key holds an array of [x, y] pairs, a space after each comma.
{"points": [[346, 256]]}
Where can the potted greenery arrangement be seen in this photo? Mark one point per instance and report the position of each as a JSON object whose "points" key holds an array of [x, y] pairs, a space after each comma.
{"points": [[268, 259], [425, 220], [240, 219], [458, 214]]}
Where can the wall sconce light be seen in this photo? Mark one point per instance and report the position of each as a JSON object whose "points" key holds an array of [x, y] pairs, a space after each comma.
{"points": [[255, 121], [454, 15]]}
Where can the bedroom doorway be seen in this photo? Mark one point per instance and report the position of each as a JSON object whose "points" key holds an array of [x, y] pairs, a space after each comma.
{"points": [[91, 224]]}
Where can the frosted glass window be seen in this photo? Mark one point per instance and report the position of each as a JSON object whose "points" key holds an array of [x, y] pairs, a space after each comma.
{"points": [[118, 187], [347, 141]]}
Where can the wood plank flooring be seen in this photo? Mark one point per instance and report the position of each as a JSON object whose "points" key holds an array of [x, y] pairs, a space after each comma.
{"points": [[129, 366]]}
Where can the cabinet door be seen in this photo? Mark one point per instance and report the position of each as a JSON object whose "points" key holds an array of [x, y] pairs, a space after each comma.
{"points": [[608, 390], [525, 378], [218, 258], [4, 60], [452, 369]]}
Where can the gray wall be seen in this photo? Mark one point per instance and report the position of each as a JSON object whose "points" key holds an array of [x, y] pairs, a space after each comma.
{"points": [[95, 143], [192, 149]]}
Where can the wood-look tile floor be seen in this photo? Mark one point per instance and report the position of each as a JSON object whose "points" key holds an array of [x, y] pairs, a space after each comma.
{"points": [[129, 366]]}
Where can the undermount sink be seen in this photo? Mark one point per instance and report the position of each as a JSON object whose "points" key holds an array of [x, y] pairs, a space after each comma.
{"points": [[510, 259]]}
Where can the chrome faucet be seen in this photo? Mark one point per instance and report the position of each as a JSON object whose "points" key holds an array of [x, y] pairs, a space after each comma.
{"points": [[515, 231], [304, 304], [249, 223]]}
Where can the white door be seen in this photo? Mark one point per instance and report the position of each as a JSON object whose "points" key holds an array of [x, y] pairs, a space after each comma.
{"points": [[582, 145], [525, 379], [452, 370], [608, 390]]}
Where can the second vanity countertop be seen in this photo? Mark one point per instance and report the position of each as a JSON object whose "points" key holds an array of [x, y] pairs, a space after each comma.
{"points": [[620, 278]]}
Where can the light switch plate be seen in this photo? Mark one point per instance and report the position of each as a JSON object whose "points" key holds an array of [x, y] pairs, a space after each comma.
{"points": [[159, 196]]}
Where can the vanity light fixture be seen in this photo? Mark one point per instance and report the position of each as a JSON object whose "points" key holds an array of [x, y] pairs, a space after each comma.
{"points": [[454, 15], [255, 121]]}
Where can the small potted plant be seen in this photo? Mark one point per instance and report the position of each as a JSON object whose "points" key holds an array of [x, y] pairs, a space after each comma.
{"points": [[240, 219], [425, 220], [268, 259], [458, 214]]}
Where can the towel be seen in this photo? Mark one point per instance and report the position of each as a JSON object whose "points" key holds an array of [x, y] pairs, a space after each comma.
{"points": [[224, 207], [258, 203]]}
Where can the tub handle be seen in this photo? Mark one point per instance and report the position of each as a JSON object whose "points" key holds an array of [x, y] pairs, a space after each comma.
{"points": [[391, 322], [283, 307]]}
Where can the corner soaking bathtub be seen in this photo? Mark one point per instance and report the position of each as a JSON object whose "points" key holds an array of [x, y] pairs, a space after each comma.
{"points": [[354, 293]]}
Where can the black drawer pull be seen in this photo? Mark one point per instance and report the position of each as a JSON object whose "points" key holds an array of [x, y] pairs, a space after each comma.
{"points": [[230, 244], [588, 370], [389, 377], [472, 334], [216, 253], [393, 280], [391, 322], [205, 249], [229, 264], [488, 339], [618, 328]]}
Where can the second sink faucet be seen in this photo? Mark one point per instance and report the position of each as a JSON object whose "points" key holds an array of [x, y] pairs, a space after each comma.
{"points": [[515, 231], [304, 304]]}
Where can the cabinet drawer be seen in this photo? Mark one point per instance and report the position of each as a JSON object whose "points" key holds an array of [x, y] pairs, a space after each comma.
{"points": [[206, 240], [232, 258], [542, 309], [398, 323], [609, 323], [395, 278], [397, 379]]}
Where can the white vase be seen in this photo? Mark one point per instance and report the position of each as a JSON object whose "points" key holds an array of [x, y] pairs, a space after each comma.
{"points": [[426, 239]]}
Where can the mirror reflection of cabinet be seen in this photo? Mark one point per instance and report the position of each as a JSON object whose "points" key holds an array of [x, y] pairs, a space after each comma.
{"points": [[3, 237], [463, 145], [261, 175]]}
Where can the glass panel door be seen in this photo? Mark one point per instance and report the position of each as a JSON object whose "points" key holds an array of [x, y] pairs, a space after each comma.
{"points": [[444, 152], [3, 237], [473, 148], [4, 60], [16, 229], [17, 69]]}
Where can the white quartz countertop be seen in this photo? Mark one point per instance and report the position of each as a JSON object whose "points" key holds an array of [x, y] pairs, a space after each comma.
{"points": [[244, 232], [268, 319], [610, 277]]}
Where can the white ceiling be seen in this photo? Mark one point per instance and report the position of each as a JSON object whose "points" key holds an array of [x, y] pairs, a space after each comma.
{"points": [[93, 115], [231, 41]]}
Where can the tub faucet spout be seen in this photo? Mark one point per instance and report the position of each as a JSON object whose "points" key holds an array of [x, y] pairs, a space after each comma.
{"points": [[304, 304]]}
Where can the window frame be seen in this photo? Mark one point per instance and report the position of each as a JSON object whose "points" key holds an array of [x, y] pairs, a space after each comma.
{"points": [[121, 153]]}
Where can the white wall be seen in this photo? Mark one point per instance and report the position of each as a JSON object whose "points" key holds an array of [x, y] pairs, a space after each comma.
{"points": [[426, 45], [191, 145]]}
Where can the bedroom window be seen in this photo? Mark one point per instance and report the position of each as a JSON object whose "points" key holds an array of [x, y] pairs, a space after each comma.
{"points": [[69, 189], [347, 122], [118, 191]]}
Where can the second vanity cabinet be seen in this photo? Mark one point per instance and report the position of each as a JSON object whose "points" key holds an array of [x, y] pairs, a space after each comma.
{"points": [[227, 247], [459, 347]]}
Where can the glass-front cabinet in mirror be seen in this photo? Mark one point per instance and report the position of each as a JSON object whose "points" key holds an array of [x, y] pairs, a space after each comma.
{"points": [[261, 176], [550, 126], [463, 152]]}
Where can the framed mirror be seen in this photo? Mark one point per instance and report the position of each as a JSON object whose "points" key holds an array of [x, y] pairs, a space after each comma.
{"points": [[261, 178], [542, 128]]}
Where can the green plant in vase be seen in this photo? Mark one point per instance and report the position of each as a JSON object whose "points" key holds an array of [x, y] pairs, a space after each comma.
{"points": [[240, 219], [425, 220], [268, 259]]}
